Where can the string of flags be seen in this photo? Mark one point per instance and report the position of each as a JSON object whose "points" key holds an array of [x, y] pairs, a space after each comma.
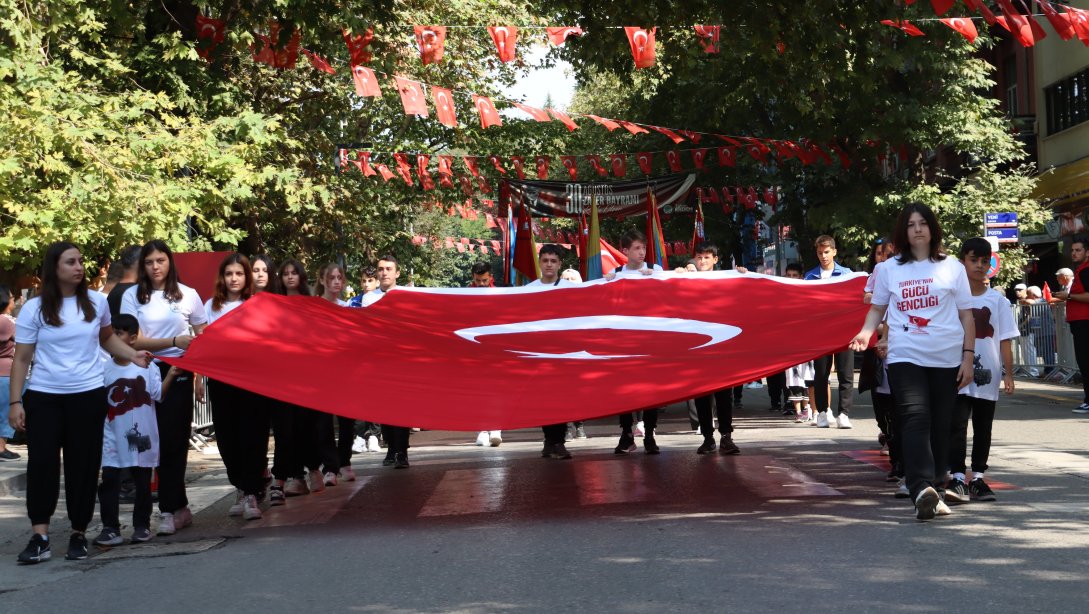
{"points": [[1071, 22]]}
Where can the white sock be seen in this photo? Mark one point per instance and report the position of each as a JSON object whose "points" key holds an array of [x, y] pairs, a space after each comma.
{"points": [[977, 475], [959, 476]]}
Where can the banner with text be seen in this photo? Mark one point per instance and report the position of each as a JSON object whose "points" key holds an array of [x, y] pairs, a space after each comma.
{"points": [[614, 198]]}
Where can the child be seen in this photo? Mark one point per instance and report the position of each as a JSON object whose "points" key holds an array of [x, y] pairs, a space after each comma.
{"points": [[130, 438], [796, 378], [995, 326]]}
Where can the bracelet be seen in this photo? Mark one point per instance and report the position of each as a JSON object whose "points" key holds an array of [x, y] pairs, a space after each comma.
{"points": [[15, 403], [967, 350]]}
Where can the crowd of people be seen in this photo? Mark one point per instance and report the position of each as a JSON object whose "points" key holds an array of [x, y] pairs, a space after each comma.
{"points": [[936, 345]]}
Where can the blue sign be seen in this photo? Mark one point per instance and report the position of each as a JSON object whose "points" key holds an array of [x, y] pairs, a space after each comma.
{"points": [[1000, 220], [1004, 235]]}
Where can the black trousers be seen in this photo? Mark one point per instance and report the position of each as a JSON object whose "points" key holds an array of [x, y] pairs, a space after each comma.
{"points": [[73, 423], [650, 421], [1079, 329], [884, 411], [285, 463], [109, 494], [981, 411], [345, 438], [925, 401], [777, 388], [241, 421], [724, 403], [314, 446], [555, 433], [328, 455], [396, 438], [174, 414], [845, 373]]}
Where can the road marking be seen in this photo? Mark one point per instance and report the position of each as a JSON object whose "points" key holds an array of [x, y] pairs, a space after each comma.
{"points": [[467, 491], [771, 478], [310, 509]]}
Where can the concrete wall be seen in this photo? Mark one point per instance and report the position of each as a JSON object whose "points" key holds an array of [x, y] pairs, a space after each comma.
{"points": [[1054, 60]]}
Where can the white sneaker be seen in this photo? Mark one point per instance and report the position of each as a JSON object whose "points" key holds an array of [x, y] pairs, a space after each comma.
{"points": [[250, 509], [942, 509], [317, 482], [822, 419], [373, 445], [638, 431], [166, 525], [754, 385], [495, 438], [843, 422], [347, 474], [359, 445], [482, 438], [295, 487], [330, 478], [236, 509]]}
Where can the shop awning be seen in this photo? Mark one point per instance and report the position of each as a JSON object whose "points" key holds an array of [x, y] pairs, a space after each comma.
{"points": [[1065, 185]]}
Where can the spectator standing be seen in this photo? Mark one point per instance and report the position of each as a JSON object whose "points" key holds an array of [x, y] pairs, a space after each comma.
{"points": [[7, 353], [1077, 314]]}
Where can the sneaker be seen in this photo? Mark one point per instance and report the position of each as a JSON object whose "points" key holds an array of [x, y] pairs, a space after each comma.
{"points": [[979, 491], [250, 508], [36, 551], [183, 518], [892, 476], [809, 417], [347, 474], [166, 524], [109, 536], [726, 445], [1082, 409], [941, 509], [295, 487], [316, 482], [707, 447], [236, 509], [787, 412], [738, 404], [330, 478], [843, 422], [822, 420], [559, 451], [373, 445], [638, 430], [649, 445], [926, 503], [359, 445], [8, 455], [884, 451], [495, 438], [546, 452], [754, 385], [902, 491], [401, 461], [77, 547], [141, 535], [626, 444], [799, 418], [482, 438], [775, 407], [580, 433], [569, 434], [389, 459], [276, 496], [956, 491]]}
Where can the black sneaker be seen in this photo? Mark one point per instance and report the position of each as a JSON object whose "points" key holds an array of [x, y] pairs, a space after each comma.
{"points": [[8, 455], [787, 412], [580, 433], [401, 460], [390, 458], [979, 491], [892, 476], [36, 551], [708, 446], [109, 536], [559, 451], [626, 444], [956, 491], [77, 547], [650, 446], [546, 451], [726, 445], [141, 535]]}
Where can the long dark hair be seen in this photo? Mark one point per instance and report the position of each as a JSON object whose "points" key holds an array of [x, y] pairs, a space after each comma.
{"points": [[273, 278], [304, 283], [871, 262], [221, 285], [319, 287], [171, 290], [5, 298], [900, 234], [50, 295]]}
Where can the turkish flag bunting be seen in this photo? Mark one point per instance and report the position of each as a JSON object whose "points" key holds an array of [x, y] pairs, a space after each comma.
{"points": [[571, 165], [385, 172], [942, 6], [421, 170], [519, 166], [709, 37], [609, 124], [727, 195], [595, 163], [342, 154], [697, 158], [983, 9], [431, 41], [964, 26], [750, 198], [727, 156], [412, 96], [771, 197], [362, 162], [488, 115], [673, 136], [538, 114], [497, 164], [470, 163], [632, 128], [844, 159], [816, 153], [210, 33], [446, 171], [642, 45], [466, 185], [905, 26], [645, 159], [542, 167], [485, 187], [564, 119], [695, 137], [505, 38], [731, 141], [674, 159], [272, 54], [712, 195], [357, 47], [403, 167], [758, 150], [444, 106], [1080, 20], [366, 84], [1024, 29], [1060, 22], [558, 36], [619, 164], [318, 62]]}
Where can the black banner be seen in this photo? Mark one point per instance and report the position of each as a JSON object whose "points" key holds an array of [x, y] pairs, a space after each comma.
{"points": [[614, 198]]}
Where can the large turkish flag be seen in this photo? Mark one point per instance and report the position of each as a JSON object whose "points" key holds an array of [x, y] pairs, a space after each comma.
{"points": [[505, 358]]}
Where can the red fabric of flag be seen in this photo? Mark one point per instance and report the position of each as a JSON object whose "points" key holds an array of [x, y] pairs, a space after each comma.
{"points": [[421, 170], [430, 40], [564, 119], [498, 164], [538, 114], [758, 150], [727, 156], [210, 33], [444, 106], [906, 26], [318, 62], [357, 47], [632, 128], [412, 96], [366, 84], [673, 136], [642, 45], [1080, 20], [571, 164], [558, 36], [466, 185], [505, 39], [403, 167], [470, 163], [695, 137], [645, 160], [609, 124], [964, 26], [525, 252], [362, 162], [542, 167], [619, 164], [1024, 29], [595, 163], [698, 156], [983, 9], [518, 162], [941, 7], [488, 115], [674, 160], [1060, 22], [385, 172], [446, 171], [709, 37]]}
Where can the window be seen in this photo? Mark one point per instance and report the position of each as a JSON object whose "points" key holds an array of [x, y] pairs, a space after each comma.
{"points": [[1067, 102], [1011, 86]]}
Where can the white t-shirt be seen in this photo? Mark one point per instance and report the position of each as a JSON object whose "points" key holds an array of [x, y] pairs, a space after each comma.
{"points": [[923, 299], [213, 315], [66, 357], [163, 319], [994, 324], [372, 297], [827, 274], [560, 283], [627, 272], [130, 436]]}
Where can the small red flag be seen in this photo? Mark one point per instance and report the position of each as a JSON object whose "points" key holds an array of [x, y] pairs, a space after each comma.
{"points": [[731, 141], [466, 185], [727, 156], [488, 115], [771, 197], [403, 167], [385, 172], [673, 136], [485, 187], [505, 38], [366, 84], [542, 167], [595, 163], [709, 37], [632, 128], [446, 171], [519, 163], [905, 25], [362, 161], [564, 119], [357, 47], [470, 163], [844, 159], [538, 114], [1024, 29], [412, 96], [942, 6], [210, 33], [979, 5], [695, 137], [431, 41], [571, 165], [497, 164], [444, 106], [269, 51], [758, 150], [609, 124], [1060, 22], [421, 170], [619, 164], [644, 158], [697, 158], [1080, 20], [673, 157], [964, 26], [558, 36], [318, 62], [642, 45]]}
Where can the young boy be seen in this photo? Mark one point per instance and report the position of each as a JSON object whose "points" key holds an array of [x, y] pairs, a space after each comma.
{"points": [[130, 438], [995, 326]]}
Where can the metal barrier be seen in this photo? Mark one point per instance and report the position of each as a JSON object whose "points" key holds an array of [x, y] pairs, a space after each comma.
{"points": [[202, 419], [1045, 349]]}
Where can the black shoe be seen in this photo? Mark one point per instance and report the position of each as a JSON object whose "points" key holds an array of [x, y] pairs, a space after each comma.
{"points": [[580, 433], [956, 492], [777, 407], [650, 446], [726, 445], [401, 461], [36, 551], [390, 458], [892, 476], [546, 451], [77, 547], [8, 455], [109, 536], [707, 447], [738, 404], [559, 451], [787, 412], [979, 491], [627, 444]]}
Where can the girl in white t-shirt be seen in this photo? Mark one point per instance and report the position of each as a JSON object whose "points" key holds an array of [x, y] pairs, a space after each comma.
{"points": [[926, 298], [167, 310], [264, 274], [330, 286], [64, 406]]}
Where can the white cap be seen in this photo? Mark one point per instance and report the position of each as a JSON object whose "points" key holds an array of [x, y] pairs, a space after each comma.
{"points": [[1020, 287], [1034, 291]]}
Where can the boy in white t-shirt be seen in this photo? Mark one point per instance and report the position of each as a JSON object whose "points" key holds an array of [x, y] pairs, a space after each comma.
{"points": [[130, 438], [995, 326]]}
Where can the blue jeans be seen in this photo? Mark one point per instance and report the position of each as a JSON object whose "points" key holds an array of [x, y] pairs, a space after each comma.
{"points": [[6, 431]]}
